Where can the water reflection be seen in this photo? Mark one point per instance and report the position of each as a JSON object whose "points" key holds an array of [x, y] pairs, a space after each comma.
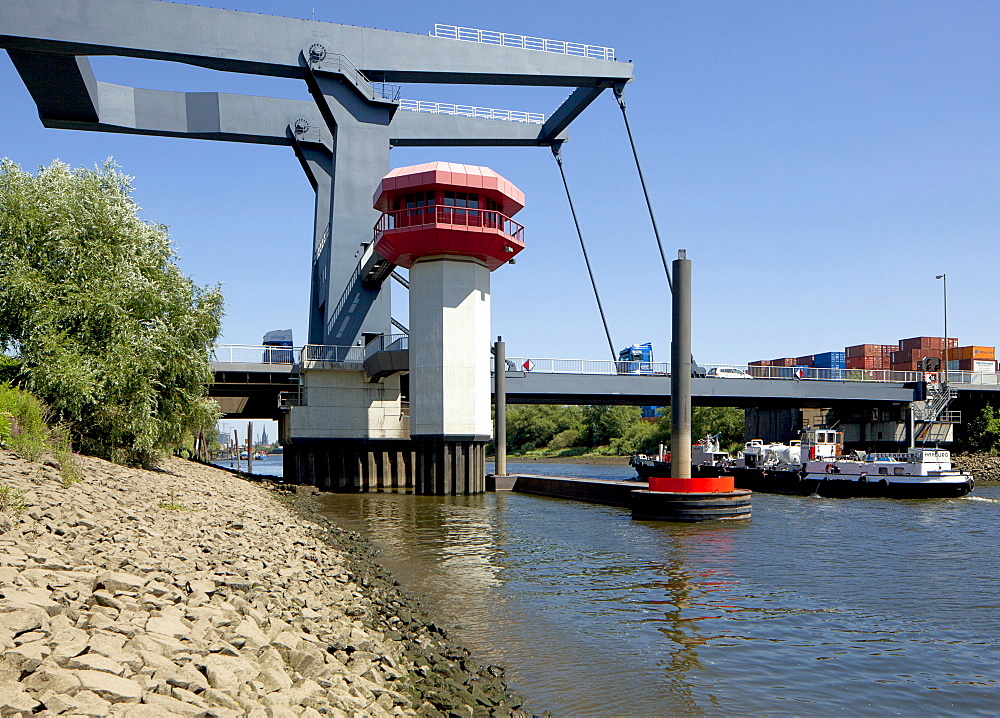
{"points": [[815, 606]]}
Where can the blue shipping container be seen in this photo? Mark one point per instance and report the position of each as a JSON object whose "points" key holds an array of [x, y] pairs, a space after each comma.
{"points": [[830, 360]]}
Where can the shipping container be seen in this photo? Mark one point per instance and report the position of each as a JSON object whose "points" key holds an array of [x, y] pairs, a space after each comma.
{"points": [[784, 361], [761, 362], [927, 343], [986, 353], [806, 360], [830, 360], [913, 355], [870, 350], [980, 366], [867, 362]]}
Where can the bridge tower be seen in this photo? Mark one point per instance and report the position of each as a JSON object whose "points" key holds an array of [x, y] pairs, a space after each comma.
{"points": [[450, 225]]}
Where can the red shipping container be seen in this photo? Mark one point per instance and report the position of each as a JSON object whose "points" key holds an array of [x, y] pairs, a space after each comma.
{"points": [[784, 361], [906, 356], [927, 343], [861, 350], [867, 362], [805, 361], [870, 350], [762, 362]]}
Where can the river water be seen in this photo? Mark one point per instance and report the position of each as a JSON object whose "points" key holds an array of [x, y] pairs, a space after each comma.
{"points": [[815, 606]]}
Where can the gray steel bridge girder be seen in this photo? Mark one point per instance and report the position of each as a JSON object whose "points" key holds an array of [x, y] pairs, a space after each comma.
{"points": [[642, 390], [269, 45]]}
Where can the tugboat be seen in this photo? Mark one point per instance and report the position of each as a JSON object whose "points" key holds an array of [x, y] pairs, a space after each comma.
{"points": [[814, 465]]}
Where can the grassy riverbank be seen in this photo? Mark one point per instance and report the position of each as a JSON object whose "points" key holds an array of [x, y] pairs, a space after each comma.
{"points": [[188, 590]]}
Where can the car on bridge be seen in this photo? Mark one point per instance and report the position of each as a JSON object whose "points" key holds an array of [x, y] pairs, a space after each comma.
{"points": [[727, 372]]}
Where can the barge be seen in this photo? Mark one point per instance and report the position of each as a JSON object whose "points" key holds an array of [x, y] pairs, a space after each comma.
{"points": [[815, 465]]}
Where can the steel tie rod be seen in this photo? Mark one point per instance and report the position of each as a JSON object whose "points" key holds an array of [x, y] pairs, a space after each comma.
{"points": [[557, 153], [620, 96]]}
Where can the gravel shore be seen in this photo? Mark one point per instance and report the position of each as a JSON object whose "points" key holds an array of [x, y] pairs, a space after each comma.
{"points": [[984, 467], [187, 591]]}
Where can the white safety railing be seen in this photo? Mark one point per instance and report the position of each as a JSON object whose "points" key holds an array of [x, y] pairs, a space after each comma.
{"points": [[483, 113], [332, 353], [585, 366], [525, 42], [253, 354]]}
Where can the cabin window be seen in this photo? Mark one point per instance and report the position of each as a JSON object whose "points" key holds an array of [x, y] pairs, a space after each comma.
{"points": [[898, 471], [882, 471]]}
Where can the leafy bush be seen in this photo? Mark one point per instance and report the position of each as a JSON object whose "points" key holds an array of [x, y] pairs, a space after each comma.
{"points": [[12, 501], [24, 428], [982, 433], [565, 439]]}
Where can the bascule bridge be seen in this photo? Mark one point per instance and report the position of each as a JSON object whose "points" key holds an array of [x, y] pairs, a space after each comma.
{"points": [[352, 430]]}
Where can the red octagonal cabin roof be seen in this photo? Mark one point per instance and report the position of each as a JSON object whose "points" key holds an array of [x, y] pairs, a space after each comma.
{"points": [[449, 175]]}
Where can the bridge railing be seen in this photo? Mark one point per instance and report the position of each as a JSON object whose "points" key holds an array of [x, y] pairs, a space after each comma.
{"points": [[332, 354], [525, 42], [585, 366], [253, 354]]}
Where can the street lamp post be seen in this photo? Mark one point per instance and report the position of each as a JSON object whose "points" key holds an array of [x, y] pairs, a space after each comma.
{"points": [[944, 284]]}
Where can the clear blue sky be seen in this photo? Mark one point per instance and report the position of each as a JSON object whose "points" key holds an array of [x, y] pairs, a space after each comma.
{"points": [[820, 162]]}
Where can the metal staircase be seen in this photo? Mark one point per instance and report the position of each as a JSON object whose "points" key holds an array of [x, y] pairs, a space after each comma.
{"points": [[935, 411]]}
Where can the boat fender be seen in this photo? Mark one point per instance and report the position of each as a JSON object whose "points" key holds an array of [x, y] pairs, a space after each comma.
{"points": [[863, 478], [883, 483], [830, 468]]}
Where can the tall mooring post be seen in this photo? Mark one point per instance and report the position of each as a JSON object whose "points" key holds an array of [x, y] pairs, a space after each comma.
{"points": [[680, 370], [681, 497], [500, 402]]}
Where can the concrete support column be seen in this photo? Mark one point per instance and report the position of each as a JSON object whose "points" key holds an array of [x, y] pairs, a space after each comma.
{"points": [[450, 374]]}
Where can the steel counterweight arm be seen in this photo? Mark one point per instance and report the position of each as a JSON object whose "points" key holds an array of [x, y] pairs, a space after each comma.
{"points": [[557, 153], [620, 96]]}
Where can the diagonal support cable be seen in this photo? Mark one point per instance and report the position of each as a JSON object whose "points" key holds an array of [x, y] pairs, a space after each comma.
{"points": [[620, 96], [557, 153]]}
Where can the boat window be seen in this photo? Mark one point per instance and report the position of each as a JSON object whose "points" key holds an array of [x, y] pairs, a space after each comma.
{"points": [[898, 471], [883, 471]]}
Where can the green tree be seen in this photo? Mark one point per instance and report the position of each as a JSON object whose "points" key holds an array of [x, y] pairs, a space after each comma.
{"points": [[604, 423], [724, 420], [534, 426], [107, 330], [705, 420], [982, 433]]}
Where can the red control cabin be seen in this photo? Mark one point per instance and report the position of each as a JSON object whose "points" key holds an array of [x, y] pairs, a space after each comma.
{"points": [[447, 208]]}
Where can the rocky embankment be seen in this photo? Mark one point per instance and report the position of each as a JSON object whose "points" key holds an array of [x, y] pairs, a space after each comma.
{"points": [[984, 468], [188, 591]]}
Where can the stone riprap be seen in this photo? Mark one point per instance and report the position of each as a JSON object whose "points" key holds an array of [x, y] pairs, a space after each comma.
{"points": [[984, 467], [187, 591]]}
